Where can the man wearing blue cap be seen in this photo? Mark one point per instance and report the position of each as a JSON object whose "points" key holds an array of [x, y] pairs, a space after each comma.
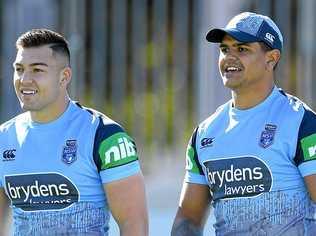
{"points": [[254, 159]]}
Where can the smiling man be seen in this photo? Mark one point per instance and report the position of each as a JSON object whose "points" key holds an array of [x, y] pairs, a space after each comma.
{"points": [[64, 167], [254, 159]]}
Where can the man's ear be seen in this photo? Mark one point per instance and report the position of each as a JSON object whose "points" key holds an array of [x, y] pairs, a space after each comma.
{"points": [[65, 76], [272, 58]]}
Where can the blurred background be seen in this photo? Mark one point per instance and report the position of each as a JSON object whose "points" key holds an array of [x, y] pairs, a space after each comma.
{"points": [[147, 65]]}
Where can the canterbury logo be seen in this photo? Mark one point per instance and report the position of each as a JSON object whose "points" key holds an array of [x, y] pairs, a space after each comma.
{"points": [[206, 142], [9, 155], [270, 37]]}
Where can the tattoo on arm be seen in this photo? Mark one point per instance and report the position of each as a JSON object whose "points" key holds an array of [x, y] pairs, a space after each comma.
{"points": [[186, 228]]}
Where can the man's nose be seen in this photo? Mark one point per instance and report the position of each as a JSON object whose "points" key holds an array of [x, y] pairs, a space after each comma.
{"points": [[231, 54], [25, 78]]}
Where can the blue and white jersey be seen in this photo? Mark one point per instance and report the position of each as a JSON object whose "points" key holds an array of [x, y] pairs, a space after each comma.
{"points": [[53, 173], [254, 162]]}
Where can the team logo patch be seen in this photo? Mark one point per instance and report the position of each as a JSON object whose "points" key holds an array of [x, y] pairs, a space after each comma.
{"points": [[69, 154], [267, 136], [309, 147]]}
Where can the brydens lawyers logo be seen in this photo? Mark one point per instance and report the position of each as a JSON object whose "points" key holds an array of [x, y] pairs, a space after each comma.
{"points": [[41, 191], [235, 177], [9, 155]]}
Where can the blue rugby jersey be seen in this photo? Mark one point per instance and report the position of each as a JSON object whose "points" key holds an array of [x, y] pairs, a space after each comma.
{"points": [[53, 173], [254, 162]]}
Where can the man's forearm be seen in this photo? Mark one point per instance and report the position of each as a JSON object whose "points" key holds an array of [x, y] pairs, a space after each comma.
{"points": [[3, 212], [3, 221], [139, 228], [185, 227]]}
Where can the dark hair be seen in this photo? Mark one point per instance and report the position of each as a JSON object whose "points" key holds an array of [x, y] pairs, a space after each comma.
{"points": [[41, 37], [265, 47]]}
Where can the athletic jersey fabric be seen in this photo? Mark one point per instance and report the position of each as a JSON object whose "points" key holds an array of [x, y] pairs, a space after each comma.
{"points": [[254, 162], [54, 173]]}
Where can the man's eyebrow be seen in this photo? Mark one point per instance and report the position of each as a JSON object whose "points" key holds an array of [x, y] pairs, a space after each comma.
{"points": [[235, 44], [32, 64]]}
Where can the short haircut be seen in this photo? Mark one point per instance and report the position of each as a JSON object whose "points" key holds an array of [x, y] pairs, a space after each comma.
{"points": [[265, 47], [41, 37]]}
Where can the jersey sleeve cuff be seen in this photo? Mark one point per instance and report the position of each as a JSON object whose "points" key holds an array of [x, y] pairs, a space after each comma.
{"points": [[120, 172], [307, 168], [194, 178]]}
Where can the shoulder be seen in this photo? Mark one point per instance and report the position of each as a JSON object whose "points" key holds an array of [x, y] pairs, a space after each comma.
{"points": [[206, 124], [105, 126], [306, 142], [219, 112], [21, 118], [292, 103], [102, 121], [308, 122], [292, 112]]}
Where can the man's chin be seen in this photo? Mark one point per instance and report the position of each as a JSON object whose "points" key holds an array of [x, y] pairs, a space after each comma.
{"points": [[231, 83], [27, 107]]}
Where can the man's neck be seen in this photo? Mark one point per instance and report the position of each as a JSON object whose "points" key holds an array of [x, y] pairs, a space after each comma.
{"points": [[46, 116], [251, 97]]}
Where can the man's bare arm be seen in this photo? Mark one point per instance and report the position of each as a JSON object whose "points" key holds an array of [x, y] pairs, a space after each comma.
{"points": [[127, 201], [185, 227], [3, 211], [310, 182], [193, 210]]}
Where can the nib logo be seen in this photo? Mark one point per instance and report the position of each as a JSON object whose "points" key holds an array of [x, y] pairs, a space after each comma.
{"points": [[118, 149], [125, 148], [309, 147], [312, 151], [9, 155]]}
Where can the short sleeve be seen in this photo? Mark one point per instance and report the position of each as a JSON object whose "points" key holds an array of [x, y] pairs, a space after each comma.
{"points": [[114, 152], [194, 172], [305, 157]]}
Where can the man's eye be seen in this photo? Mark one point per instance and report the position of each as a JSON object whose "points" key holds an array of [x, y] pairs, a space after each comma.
{"points": [[242, 49], [18, 69], [37, 70], [224, 50]]}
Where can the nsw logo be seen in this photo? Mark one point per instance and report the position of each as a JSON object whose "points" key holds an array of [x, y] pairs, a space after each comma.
{"points": [[267, 136], [9, 155], [69, 154], [207, 142]]}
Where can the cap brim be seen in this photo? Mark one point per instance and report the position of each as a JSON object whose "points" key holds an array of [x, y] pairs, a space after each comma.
{"points": [[217, 35]]}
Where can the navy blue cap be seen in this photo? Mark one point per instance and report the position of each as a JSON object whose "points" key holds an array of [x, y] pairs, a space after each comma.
{"points": [[249, 27]]}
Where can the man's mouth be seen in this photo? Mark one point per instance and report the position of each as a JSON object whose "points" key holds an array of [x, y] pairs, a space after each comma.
{"points": [[232, 69], [28, 92]]}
